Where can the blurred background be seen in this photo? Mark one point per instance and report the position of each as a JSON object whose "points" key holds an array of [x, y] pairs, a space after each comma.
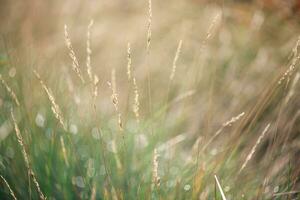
{"points": [[233, 54]]}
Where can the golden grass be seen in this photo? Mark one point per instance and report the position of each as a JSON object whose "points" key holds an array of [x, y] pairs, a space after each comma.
{"points": [[25, 156], [89, 51], [11, 192], [128, 61], [75, 63], [213, 80], [291, 68], [114, 97], [136, 104], [149, 29], [155, 176], [175, 60], [10, 91], [54, 106], [254, 147], [224, 125]]}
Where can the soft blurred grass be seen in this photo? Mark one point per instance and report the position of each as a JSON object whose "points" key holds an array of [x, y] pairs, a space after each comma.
{"points": [[235, 71]]}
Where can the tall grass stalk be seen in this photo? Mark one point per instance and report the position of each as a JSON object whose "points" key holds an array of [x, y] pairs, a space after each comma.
{"points": [[136, 104], [254, 147], [25, 156], [129, 61], [155, 176], [171, 77], [64, 151], [10, 91], [114, 98], [54, 106], [220, 188], [75, 63], [149, 35], [291, 68], [11, 192], [89, 51], [224, 125]]}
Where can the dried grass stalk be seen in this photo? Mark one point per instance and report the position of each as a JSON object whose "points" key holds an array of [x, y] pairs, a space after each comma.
{"points": [[75, 63], [291, 69], [212, 27], [220, 188], [155, 176], [10, 91], [224, 125], [114, 98], [25, 156], [149, 31], [175, 60], [128, 62], [11, 192], [54, 106], [136, 104], [95, 82], [89, 51], [254, 147]]}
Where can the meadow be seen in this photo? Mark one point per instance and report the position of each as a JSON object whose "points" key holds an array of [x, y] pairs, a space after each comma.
{"points": [[149, 100]]}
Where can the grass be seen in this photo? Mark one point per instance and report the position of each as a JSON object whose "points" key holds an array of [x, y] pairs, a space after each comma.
{"points": [[153, 100]]}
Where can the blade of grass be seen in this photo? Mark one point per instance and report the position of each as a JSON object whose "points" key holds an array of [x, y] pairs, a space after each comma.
{"points": [[220, 188]]}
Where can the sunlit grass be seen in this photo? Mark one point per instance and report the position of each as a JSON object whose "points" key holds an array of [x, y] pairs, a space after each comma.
{"points": [[152, 101]]}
